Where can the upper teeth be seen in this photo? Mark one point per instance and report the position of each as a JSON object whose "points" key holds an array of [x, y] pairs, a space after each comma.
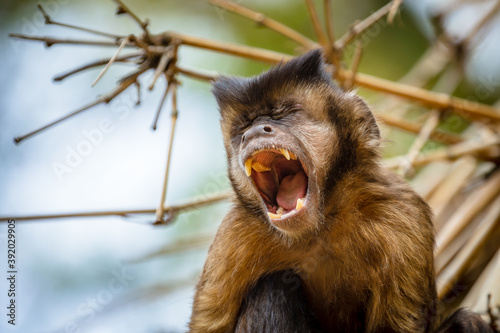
{"points": [[285, 153], [259, 167]]}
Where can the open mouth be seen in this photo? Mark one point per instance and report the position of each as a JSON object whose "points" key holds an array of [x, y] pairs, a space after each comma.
{"points": [[280, 179]]}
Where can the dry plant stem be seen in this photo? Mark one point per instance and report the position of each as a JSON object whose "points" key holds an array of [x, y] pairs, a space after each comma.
{"points": [[432, 99], [249, 52], [162, 66], [48, 20], [452, 152], [451, 184], [426, 97], [162, 103], [49, 41], [208, 200], [358, 52], [315, 21], [122, 8], [111, 61], [493, 318], [394, 9], [430, 64], [485, 284], [465, 213], [485, 20], [197, 74], [330, 32], [160, 213], [430, 125], [360, 27], [98, 63], [263, 20], [104, 99], [450, 275], [408, 126]]}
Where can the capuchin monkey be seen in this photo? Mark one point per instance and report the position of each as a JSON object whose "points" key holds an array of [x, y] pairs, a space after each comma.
{"points": [[320, 237]]}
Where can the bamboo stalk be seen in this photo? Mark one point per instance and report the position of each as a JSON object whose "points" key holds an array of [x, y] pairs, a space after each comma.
{"points": [[448, 277], [450, 185], [465, 213], [486, 284]]}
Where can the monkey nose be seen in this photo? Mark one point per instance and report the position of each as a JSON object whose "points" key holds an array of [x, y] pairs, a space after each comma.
{"points": [[258, 131]]}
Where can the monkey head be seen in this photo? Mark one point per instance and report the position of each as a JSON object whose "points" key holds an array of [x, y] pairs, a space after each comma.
{"points": [[291, 136]]}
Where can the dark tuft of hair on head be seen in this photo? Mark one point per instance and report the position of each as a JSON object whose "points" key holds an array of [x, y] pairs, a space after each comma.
{"points": [[303, 70]]}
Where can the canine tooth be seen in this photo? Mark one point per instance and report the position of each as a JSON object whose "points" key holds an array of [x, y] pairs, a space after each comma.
{"points": [[248, 167], [300, 204], [273, 216], [259, 167], [285, 153]]}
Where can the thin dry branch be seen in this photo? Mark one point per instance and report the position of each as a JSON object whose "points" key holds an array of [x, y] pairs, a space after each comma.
{"points": [[330, 32], [162, 66], [360, 27], [197, 74], [49, 41], [358, 52], [124, 58], [104, 99], [249, 52], [439, 136], [180, 208], [432, 99], [394, 9], [160, 213], [123, 9], [487, 149], [111, 61], [485, 20], [263, 20], [162, 103], [48, 20], [441, 101], [315, 21], [427, 129]]}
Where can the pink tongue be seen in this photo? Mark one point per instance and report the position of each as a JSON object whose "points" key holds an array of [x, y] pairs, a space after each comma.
{"points": [[292, 187]]}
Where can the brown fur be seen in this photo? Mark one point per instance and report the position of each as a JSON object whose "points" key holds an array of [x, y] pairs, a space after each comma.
{"points": [[363, 251]]}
